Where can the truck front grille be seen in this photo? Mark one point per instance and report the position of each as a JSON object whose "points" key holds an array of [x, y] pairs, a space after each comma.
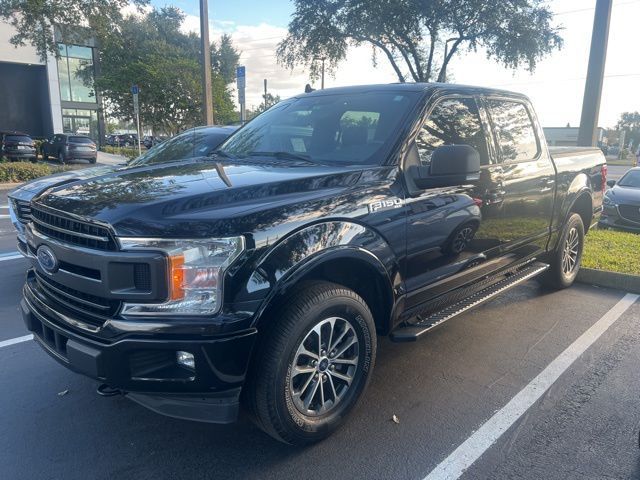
{"points": [[22, 209], [88, 308], [72, 231], [630, 212]]}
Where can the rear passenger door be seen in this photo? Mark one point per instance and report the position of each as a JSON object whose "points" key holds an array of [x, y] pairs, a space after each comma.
{"points": [[528, 176]]}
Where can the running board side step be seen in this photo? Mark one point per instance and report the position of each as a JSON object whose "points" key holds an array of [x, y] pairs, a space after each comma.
{"points": [[411, 332]]}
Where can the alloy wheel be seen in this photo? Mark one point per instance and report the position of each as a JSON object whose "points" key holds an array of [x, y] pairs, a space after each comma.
{"points": [[570, 251], [324, 366]]}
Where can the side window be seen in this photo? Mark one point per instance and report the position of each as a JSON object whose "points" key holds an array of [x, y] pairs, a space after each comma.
{"points": [[454, 121], [514, 129]]}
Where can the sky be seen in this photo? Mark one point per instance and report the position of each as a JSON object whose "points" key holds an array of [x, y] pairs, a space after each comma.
{"points": [[556, 87]]}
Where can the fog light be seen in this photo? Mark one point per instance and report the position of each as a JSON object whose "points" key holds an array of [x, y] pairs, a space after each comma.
{"points": [[185, 359]]}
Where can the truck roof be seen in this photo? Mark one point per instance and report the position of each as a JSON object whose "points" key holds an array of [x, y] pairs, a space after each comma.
{"points": [[412, 87]]}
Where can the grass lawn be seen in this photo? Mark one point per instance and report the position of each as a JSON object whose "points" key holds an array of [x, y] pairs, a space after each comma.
{"points": [[612, 250]]}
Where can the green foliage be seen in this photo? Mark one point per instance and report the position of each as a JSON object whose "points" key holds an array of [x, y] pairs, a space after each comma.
{"points": [[36, 21], [612, 250], [153, 53], [412, 34], [127, 152], [630, 122], [23, 171]]}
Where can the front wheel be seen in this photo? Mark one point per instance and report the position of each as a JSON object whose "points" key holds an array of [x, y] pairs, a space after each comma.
{"points": [[567, 257], [313, 364]]}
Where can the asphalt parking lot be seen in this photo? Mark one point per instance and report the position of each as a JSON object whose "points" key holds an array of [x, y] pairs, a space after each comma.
{"points": [[446, 391]]}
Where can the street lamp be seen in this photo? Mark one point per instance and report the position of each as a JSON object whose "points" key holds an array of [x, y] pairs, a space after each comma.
{"points": [[322, 59]]}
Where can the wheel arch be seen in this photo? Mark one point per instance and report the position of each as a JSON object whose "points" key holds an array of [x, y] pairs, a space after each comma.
{"points": [[361, 261]]}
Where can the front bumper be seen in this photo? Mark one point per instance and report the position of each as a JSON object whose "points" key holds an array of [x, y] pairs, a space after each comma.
{"points": [[611, 218], [144, 367]]}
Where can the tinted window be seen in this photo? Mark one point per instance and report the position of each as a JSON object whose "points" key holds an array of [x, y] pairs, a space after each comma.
{"points": [[631, 179], [18, 138], [342, 129], [453, 121], [80, 140], [514, 129]]}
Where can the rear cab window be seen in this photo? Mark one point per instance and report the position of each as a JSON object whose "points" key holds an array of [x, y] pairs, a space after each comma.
{"points": [[515, 134]]}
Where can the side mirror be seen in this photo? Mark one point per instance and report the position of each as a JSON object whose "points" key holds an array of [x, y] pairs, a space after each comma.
{"points": [[611, 183], [450, 165]]}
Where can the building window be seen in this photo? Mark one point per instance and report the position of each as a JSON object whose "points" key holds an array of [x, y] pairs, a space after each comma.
{"points": [[73, 61], [79, 121]]}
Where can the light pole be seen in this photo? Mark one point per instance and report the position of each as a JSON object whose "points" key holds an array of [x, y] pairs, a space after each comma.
{"points": [[443, 73], [207, 97], [595, 74], [322, 59]]}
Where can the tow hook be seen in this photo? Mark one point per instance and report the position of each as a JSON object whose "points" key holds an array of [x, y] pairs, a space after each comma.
{"points": [[107, 390]]}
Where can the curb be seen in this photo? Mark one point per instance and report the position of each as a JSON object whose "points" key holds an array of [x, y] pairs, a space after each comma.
{"points": [[603, 278]]}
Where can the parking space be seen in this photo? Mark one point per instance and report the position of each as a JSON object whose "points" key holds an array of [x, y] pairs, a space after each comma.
{"points": [[441, 389]]}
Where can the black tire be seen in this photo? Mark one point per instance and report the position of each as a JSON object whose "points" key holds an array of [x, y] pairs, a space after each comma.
{"points": [[559, 276], [93, 160], [270, 390], [460, 239]]}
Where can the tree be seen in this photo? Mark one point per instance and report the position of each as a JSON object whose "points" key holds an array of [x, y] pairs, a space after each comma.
{"points": [[630, 122], [152, 52], [419, 37], [268, 101], [36, 21]]}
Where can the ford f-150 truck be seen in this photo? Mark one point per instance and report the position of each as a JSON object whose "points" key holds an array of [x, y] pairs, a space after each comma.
{"points": [[261, 274]]}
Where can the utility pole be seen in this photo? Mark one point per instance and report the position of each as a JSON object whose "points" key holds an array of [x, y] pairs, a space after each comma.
{"points": [[207, 98], [595, 74], [322, 82], [265, 94]]}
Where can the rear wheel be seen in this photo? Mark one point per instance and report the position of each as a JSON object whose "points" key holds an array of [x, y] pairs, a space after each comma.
{"points": [[567, 257], [313, 364]]}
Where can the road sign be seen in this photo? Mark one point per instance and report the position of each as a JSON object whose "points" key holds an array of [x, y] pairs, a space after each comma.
{"points": [[135, 90], [241, 78]]}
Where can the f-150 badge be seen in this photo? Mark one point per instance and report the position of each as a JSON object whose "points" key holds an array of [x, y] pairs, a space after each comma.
{"points": [[384, 204]]}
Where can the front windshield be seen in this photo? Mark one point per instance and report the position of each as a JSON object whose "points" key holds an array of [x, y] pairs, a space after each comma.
{"points": [[631, 179], [343, 129], [196, 142]]}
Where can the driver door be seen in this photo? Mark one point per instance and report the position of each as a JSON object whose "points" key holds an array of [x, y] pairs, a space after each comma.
{"points": [[452, 232]]}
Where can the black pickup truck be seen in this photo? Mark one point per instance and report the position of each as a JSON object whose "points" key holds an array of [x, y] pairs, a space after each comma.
{"points": [[261, 274]]}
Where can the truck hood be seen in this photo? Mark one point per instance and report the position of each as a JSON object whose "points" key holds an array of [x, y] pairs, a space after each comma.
{"points": [[197, 199]]}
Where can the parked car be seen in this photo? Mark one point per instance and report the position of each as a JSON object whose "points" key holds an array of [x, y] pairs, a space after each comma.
{"points": [[17, 146], [153, 140], [265, 273], [68, 146], [622, 203], [193, 143]]}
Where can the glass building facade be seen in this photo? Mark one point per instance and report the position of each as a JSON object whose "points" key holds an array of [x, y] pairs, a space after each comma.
{"points": [[79, 101]]}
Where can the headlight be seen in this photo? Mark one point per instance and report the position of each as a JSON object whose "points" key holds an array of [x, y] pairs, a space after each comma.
{"points": [[196, 268], [608, 202], [13, 215]]}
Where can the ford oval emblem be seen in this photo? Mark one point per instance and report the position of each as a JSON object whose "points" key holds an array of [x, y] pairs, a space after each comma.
{"points": [[47, 259]]}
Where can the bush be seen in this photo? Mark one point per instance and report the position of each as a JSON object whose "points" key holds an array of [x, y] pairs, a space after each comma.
{"points": [[128, 152], [23, 171]]}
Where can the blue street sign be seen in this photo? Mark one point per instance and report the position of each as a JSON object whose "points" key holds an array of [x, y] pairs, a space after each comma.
{"points": [[240, 71], [134, 89], [241, 78]]}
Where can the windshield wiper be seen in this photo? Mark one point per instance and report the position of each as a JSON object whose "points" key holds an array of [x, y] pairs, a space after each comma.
{"points": [[283, 155], [220, 153]]}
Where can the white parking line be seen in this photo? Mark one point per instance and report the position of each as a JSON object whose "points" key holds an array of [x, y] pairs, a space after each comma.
{"points": [[479, 442], [13, 341], [10, 256], [5, 216]]}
